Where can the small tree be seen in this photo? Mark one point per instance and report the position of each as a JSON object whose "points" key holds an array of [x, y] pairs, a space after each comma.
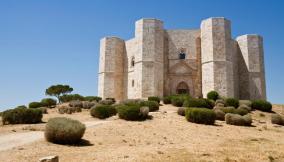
{"points": [[58, 90]]}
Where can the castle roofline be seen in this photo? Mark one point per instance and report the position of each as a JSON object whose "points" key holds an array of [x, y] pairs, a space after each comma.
{"points": [[210, 18], [112, 37], [249, 35], [143, 19]]}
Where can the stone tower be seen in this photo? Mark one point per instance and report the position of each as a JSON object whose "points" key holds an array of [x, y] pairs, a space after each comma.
{"points": [[111, 80], [216, 58], [251, 67], [149, 60]]}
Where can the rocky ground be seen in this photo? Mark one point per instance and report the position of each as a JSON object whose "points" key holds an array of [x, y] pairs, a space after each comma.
{"points": [[167, 137]]}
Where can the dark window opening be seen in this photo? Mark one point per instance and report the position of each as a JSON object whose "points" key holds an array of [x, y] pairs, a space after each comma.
{"points": [[182, 56], [132, 62], [132, 83]]}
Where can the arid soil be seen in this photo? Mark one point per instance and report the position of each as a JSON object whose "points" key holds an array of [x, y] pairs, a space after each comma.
{"points": [[167, 137]]}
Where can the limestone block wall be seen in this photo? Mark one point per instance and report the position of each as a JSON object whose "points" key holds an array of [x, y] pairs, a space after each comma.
{"points": [[149, 65], [182, 70], [216, 58], [111, 68], [251, 73]]}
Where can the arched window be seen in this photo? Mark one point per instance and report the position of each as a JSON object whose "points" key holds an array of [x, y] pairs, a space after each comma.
{"points": [[132, 61], [182, 54]]}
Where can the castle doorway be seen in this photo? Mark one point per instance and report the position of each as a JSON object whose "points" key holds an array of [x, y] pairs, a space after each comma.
{"points": [[182, 88]]}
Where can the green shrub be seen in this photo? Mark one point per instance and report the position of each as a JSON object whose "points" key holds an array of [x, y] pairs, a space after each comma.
{"points": [[43, 110], [68, 110], [167, 100], [22, 116], [194, 102], [71, 97], [76, 104], [153, 105], [220, 115], [21, 106], [154, 98], [181, 111], [245, 102], [213, 95], [92, 98], [241, 111], [48, 102], [88, 104], [277, 119], [35, 105], [178, 102], [64, 130], [103, 111], [210, 103], [112, 99], [131, 101], [106, 102], [130, 112], [236, 119], [200, 115], [261, 105], [243, 106], [232, 110], [232, 102]]}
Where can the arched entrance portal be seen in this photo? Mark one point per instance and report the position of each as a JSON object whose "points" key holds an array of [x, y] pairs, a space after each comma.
{"points": [[182, 88]]}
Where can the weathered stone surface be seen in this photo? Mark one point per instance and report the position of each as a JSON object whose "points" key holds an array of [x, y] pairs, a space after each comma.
{"points": [[49, 159], [152, 63]]}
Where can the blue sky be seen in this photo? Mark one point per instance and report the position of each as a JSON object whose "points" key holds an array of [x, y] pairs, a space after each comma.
{"points": [[57, 41]]}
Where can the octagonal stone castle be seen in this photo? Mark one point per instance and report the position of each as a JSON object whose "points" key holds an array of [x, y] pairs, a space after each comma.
{"points": [[161, 62]]}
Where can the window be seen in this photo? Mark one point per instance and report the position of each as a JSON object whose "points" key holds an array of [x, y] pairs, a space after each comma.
{"points": [[132, 61], [132, 83], [182, 54]]}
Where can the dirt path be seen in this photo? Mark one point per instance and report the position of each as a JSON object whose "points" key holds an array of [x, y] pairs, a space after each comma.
{"points": [[11, 140]]}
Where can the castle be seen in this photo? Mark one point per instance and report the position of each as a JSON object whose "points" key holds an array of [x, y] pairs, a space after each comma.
{"points": [[161, 62]]}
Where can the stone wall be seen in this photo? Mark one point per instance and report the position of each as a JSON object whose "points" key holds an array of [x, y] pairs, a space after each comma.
{"points": [[182, 70], [252, 73], [216, 58], [111, 68]]}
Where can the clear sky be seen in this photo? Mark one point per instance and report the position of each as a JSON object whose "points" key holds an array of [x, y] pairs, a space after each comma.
{"points": [[45, 42]]}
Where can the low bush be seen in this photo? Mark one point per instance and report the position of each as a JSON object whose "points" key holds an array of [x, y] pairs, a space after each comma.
{"points": [[106, 102], [144, 111], [200, 115], [88, 104], [261, 105], [236, 119], [233, 110], [71, 97], [213, 95], [167, 100], [43, 110], [220, 115], [232, 102], [176, 101], [48, 102], [35, 105], [243, 106], [241, 111], [194, 102], [277, 119], [76, 104], [21, 116], [64, 130], [219, 101], [103, 111], [68, 110], [181, 111], [92, 98], [130, 112], [245, 102], [131, 101], [154, 98], [112, 99], [153, 105]]}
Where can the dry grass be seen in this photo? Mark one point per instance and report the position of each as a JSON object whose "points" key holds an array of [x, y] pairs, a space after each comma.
{"points": [[168, 137]]}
